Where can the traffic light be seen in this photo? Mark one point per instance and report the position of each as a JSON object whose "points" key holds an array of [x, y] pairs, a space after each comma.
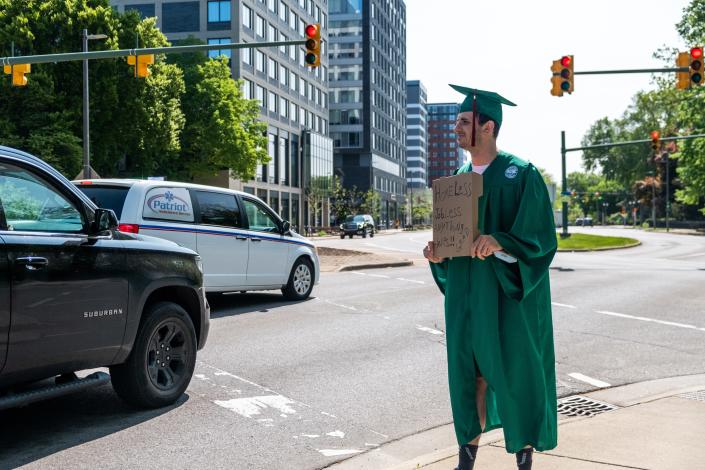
{"points": [[17, 71], [655, 140], [313, 45], [562, 79], [683, 78], [696, 66], [142, 61]]}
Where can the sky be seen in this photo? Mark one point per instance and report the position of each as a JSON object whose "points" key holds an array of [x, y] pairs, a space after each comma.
{"points": [[508, 46]]}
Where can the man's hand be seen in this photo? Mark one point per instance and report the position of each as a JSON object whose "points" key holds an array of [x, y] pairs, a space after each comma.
{"points": [[429, 255], [484, 246]]}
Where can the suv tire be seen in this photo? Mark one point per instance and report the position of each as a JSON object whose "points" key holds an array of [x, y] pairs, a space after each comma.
{"points": [[300, 282], [143, 380]]}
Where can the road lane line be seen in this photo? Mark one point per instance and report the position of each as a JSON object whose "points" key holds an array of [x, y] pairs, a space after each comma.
{"points": [[589, 380], [429, 330], [410, 280], [349, 307], [691, 255], [378, 275], [563, 305], [652, 320]]}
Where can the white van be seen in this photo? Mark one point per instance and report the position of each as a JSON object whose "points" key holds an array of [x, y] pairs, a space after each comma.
{"points": [[244, 244]]}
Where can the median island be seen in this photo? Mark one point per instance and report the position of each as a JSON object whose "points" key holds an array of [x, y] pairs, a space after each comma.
{"points": [[587, 242]]}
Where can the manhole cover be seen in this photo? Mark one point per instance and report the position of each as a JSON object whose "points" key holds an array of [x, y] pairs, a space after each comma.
{"points": [[699, 395], [581, 406]]}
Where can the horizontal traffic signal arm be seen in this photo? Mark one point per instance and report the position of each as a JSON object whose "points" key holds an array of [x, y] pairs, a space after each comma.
{"points": [[633, 142], [72, 56]]}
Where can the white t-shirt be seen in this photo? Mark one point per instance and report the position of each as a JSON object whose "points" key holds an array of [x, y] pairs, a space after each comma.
{"points": [[479, 169]]}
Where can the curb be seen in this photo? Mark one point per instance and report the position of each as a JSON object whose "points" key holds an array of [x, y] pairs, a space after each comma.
{"points": [[436, 444], [606, 248], [392, 264]]}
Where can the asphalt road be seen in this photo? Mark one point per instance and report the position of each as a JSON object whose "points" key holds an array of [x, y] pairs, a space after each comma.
{"points": [[285, 385]]}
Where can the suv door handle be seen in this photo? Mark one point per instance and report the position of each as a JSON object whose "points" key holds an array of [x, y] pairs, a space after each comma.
{"points": [[240, 237], [256, 239], [32, 263]]}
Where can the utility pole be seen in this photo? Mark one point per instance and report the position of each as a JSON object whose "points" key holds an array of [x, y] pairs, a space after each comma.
{"points": [[86, 118]]}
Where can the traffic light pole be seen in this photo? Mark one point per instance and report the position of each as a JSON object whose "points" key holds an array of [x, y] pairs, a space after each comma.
{"points": [[564, 150], [72, 56]]}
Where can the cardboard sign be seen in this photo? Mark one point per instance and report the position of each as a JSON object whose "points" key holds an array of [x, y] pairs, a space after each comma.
{"points": [[455, 214]]}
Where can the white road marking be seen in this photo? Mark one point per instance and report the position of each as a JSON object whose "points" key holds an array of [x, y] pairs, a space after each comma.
{"points": [[563, 305], [652, 320], [391, 249], [429, 330], [589, 380], [312, 436], [357, 272], [691, 255], [336, 433], [337, 452], [251, 406], [328, 414], [379, 434], [348, 307], [410, 280], [378, 275]]}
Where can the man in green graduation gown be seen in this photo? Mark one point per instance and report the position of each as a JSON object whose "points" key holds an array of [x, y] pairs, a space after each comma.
{"points": [[501, 365]]}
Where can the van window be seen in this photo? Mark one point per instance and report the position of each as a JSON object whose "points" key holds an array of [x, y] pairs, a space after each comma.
{"points": [[259, 218], [218, 209], [106, 197], [168, 204]]}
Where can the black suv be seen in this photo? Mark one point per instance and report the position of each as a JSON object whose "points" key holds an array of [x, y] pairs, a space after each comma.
{"points": [[358, 225], [76, 294]]}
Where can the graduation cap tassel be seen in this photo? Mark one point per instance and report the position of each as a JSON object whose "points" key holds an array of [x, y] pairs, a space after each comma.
{"points": [[474, 119]]}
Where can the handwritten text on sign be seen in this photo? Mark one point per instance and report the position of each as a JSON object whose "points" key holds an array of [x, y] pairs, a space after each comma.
{"points": [[455, 213]]}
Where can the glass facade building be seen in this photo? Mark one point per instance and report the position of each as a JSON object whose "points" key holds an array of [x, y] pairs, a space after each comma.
{"points": [[416, 135], [444, 155], [293, 98], [367, 81]]}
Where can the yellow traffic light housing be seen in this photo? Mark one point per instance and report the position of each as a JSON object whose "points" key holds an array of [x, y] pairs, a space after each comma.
{"points": [[18, 71], [556, 78], [683, 78], [562, 76], [313, 45], [696, 66], [655, 140], [141, 63]]}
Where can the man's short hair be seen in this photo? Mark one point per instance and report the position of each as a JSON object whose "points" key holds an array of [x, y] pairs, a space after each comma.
{"points": [[483, 118]]}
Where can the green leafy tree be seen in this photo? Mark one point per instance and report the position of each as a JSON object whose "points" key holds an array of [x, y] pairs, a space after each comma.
{"points": [[135, 124], [222, 129], [371, 204]]}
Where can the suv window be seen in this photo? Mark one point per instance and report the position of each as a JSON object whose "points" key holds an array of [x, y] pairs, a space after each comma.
{"points": [[259, 218], [106, 197], [32, 204], [218, 209]]}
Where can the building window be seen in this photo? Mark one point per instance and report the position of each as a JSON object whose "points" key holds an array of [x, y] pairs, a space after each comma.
{"points": [[271, 68], [217, 53], [259, 61], [180, 17], [218, 15], [259, 95], [247, 17], [283, 107], [259, 26], [272, 102], [246, 55], [246, 89], [145, 10]]}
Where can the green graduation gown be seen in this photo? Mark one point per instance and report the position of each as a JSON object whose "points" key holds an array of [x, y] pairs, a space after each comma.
{"points": [[498, 315]]}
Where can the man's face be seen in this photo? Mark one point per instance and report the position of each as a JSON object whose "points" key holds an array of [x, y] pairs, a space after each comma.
{"points": [[463, 130]]}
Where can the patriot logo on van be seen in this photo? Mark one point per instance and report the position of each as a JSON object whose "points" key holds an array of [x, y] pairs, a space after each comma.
{"points": [[168, 204]]}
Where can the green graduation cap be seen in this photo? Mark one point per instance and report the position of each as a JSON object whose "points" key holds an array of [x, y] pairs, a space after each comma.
{"points": [[488, 103]]}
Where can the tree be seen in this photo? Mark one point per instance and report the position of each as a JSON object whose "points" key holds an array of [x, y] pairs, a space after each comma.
{"points": [[222, 129], [134, 123], [343, 200], [371, 204]]}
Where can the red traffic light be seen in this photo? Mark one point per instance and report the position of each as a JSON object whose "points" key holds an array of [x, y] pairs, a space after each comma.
{"points": [[311, 30], [696, 52], [566, 60], [655, 135]]}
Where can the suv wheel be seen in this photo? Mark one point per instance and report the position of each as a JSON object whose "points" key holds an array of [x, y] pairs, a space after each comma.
{"points": [[364, 233], [342, 236], [300, 282], [162, 360]]}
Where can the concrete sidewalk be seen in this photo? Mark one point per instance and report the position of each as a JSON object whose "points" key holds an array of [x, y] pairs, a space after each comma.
{"points": [[657, 425]]}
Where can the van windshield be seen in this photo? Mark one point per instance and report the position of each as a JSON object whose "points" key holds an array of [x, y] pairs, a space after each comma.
{"points": [[106, 197], [355, 218]]}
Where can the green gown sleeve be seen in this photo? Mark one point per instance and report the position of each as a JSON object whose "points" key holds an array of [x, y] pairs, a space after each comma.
{"points": [[440, 274], [531, 239]]}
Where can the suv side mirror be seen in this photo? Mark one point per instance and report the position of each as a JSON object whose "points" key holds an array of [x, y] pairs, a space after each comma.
{"points": [[105, 219], [286, 226]]}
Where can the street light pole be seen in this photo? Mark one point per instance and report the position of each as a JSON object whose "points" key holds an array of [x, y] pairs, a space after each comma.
{"points": [[86, 118]]}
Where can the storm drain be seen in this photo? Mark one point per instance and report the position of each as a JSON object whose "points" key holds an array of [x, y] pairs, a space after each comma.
{"points": [[699, 395], [581, 406]]}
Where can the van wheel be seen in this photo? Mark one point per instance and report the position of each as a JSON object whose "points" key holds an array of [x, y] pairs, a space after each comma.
{"points": [[162, 360], [372, 233], [351, 235], [364, 233], [342, 236], [300, 282]]}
